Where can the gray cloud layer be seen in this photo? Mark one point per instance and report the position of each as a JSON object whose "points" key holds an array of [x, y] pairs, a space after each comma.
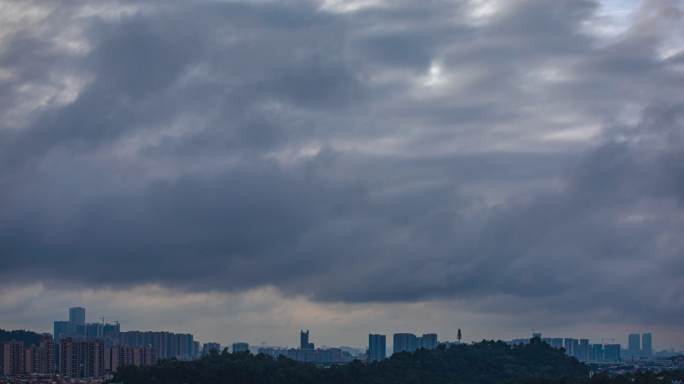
{"points": [[386, 154]]}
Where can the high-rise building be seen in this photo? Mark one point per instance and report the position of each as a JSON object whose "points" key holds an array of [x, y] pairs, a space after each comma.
{"points": [[188, 346], [568, 346], [583, 353], [536, 335], [547, 340], [646, 344], [596, 353], [376, 347], [78, 359], [634, 343], [145, 356], [117, 356], [575, 349], [304, 340], [13, 357], [168, 344], [429, 341], [62, 329], [206, 349], [557, 343], [50, 350], [405, 342], [76, 316], [244, 347], [611, 352]]}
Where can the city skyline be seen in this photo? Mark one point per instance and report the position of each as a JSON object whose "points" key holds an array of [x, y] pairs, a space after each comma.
{"points": [[622, 339], [244, 170], [638, 344]]}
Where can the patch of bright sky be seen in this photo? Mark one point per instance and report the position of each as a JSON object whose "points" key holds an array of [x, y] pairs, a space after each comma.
{"points": [[613, 17], [344, 6], [482, 10]]}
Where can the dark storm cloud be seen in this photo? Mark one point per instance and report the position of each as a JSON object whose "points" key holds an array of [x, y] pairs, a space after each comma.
{"points": [[227, 146]]}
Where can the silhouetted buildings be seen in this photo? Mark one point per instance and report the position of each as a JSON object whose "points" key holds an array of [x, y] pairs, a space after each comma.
{"points": [[404, 342], [240, 347], [409, 342], [583, 352], [168, 344], [377, 347], [207, 347], [304, 341], [634, 344], [646, 345]]}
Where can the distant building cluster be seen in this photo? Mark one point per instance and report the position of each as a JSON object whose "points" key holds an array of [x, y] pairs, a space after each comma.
{"points": [[82, 350], [410, 342], [639, 346], [95, 350], [18, 358]]}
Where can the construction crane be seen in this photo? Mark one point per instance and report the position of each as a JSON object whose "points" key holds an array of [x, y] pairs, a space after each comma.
{"points": [[612, 340], [103, 319]]}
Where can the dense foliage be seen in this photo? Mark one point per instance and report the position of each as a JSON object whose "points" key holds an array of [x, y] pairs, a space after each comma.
{"points": [[665, 377], [485, 362], [27, 337]]}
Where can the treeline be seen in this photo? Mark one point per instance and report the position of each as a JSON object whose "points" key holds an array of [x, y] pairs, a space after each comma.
{"points": [[27, 337], [647, 377], [485, 362]]}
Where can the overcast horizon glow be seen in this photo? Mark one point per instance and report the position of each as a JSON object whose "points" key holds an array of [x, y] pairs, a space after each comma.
{"points": [[241, 170]]}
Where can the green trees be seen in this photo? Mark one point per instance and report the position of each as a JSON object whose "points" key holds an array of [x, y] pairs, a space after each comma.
{"points": [[485, 362]]}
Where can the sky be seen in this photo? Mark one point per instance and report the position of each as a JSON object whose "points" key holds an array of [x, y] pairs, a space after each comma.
{"points": [[243, 170]]}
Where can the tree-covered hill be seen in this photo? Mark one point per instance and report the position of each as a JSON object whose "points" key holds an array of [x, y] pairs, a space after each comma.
{"points": [[481, 363], [27, 337]]}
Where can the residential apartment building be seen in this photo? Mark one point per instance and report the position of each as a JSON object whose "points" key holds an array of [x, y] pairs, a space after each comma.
{"points": [[376, 347], [79, 359]]}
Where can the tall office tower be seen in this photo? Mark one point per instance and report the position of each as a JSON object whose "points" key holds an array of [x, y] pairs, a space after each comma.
{"points": [[209, 346], [117, 356], [47, 346], [583, 350], [575, 348], [13, 356], [611, 352], [244, 347], [429, 341], [78, 359], [76, 316], [568, 346], [304, 340], [634, 344], [196, 349], [646, 344], [62, 329], [536, 335], [376, 347], [557, 343], [145, 356]]}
